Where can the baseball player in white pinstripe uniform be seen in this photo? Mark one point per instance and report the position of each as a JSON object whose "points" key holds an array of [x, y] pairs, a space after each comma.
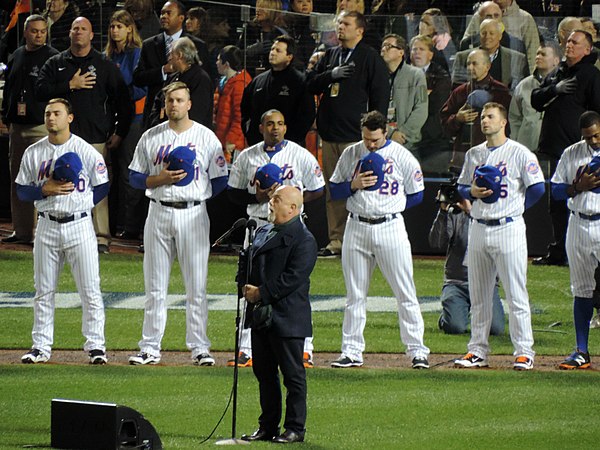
{"points": [[577, 178], [299, 168], [497, 242], [375, 234], [64, 231], [177, 223]]}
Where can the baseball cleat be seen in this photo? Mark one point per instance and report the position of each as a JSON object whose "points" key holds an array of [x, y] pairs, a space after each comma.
{"points": [[244, 360], [98, 357], [204, 359], [577, 360], [34, 356], [307, 361], [469, 361], [344, 361], [595, 322], [523, 363], [143, 358], [420, 362]]}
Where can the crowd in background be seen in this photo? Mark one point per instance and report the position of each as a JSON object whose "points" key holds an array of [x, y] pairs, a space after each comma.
{"points": [[428, 43]]}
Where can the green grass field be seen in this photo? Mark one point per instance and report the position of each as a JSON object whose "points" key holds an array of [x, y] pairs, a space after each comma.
{"points": [[348, 409]]}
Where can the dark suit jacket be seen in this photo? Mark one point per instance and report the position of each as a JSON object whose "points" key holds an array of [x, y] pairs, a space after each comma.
{"points": [[149, 69], [281, 268]]}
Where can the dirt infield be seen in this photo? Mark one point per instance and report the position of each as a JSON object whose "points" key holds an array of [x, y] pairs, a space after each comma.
{"points": [[321, 360]]}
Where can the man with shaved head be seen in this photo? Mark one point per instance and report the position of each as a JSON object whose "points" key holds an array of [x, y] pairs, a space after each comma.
{"points": [[101, 101], [283, 258]]}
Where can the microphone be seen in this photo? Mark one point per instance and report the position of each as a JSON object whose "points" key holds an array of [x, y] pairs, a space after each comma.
{"points": [[251, 224], [245, 13], [238, 224]]}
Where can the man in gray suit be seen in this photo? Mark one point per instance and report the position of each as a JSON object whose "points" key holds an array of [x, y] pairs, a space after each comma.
{"points": [[508, 66]]}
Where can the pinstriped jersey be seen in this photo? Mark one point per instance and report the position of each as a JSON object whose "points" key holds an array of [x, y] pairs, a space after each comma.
{"points": [[570, 163], [37, 167], [520, 169], [156, 143], [402, 177], [300, 168]]}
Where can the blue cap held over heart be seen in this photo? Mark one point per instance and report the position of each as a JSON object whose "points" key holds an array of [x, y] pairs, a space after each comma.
{"points": [[489, 177], [182, 158], [478, 98], [375, 163], [68, 167], [594, 165], [268, 175]]}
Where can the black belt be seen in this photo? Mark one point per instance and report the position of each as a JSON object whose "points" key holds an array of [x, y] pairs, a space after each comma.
{"points": [[494, 222], [375, 220], [178, 205], [586, 216], [66, 219]]}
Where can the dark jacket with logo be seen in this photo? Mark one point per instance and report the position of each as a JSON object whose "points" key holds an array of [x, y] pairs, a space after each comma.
{"points": [[560, 125], [100, 111], [284, 90], [22, 71]]}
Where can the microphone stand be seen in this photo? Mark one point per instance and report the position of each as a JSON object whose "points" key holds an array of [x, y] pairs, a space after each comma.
{"points": [[240, 283]]}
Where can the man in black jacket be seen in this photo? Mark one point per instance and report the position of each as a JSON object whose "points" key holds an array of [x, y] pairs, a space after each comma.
{"points": [[352, 79], [566, 93], [100, 98], [154, 68], [282, 88], [24, 115], [284, 255]]}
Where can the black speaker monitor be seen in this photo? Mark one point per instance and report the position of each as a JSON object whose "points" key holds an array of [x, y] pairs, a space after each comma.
{"points": [[79, 424]]}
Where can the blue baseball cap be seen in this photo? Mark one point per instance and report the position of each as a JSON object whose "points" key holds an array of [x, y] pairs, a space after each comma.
{"points": [[594, 165], [68, 167], [478, 98], [182, 158], [268, 175], [374, 162], [489, 177]]}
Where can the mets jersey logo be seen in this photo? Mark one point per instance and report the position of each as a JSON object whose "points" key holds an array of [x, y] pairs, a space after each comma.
{"points": [[221, 161], [318, 172], [100, 167], [418, 175], [44, 171], [287, 171], [532, 167]]}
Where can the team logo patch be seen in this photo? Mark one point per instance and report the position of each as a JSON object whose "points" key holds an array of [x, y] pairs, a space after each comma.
{"points": [[318, 171], [418, 175], [100, 167], [532, 167], [221, 161]]}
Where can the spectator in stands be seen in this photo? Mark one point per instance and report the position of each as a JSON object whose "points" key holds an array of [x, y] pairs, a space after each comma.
{"points": [[154, 68], [565, 28], [24, 115], [186, 68], [353, 79], [100, 99], [371, 36], [145, 18], [590, 25], [124, 48], [460, 114], [566, 93], [525, 121], [60, 15], [518, 23], [268, 24], [508, 66], [433, 148], [215, 32], [195, 20], [298, 26], [433, 23], [228, 99], [282, 87], [407, 110]]}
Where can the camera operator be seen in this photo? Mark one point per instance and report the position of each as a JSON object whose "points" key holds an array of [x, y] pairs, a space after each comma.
{"points": [[450, 231]]}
